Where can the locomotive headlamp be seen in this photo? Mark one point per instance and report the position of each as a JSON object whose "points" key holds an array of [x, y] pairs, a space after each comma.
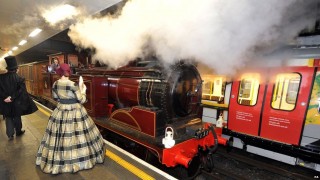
{"points": [[168, 140]]}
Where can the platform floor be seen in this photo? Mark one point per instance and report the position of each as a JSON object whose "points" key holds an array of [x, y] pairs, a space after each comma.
{"points": [[17, 157]]}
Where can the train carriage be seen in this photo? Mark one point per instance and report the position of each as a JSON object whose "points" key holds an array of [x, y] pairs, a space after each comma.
{"points": [[32, 72], [273, 112]]}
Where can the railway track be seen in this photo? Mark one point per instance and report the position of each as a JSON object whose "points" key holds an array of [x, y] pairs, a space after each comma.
{"points": [[242, 165]]}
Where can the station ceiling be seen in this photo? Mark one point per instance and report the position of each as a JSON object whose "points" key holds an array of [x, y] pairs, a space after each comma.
{"points": [[18, 18]]}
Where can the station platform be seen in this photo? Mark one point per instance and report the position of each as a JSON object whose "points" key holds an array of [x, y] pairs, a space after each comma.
{"points": [[17, 157]]}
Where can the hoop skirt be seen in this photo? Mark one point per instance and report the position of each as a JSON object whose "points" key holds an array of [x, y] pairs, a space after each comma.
{"points": [[71, 142]]}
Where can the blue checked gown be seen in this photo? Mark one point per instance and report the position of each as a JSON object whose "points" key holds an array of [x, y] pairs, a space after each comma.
{"points": [[71, 141]]}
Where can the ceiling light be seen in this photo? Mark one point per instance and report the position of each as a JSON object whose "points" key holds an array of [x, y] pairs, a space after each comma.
{"points": [[9, 52], [35, 32], [22, 42], [14, 48]]}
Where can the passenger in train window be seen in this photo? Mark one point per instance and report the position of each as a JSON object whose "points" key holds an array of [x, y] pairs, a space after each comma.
{"points": [[71, 141], [15, 100], [55, 65], [80, 65], [72, 68]]}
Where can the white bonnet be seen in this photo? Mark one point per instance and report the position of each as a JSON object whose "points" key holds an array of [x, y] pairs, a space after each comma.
{"points": [[3, 66]]}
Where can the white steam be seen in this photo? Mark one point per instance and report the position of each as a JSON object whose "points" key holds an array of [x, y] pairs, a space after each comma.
{"points": [[222, 35], [59, 13]]}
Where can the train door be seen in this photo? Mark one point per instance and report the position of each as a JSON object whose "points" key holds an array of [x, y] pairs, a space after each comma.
{"points": [[311, 135], [246, 103], [286, 102]]}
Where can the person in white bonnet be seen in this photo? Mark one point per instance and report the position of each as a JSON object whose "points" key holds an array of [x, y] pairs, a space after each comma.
{"points": [[3, 70], [3, 66]]}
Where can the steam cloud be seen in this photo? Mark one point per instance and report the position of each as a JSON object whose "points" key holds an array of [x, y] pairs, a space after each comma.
{"points": [[222, 35]]}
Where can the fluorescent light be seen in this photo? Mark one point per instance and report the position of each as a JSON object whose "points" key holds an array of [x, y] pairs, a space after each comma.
{"points": [[22, 42], [9, 52], [14, 48], [35, 32]]}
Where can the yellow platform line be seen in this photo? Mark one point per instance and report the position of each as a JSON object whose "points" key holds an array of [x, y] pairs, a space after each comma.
{"points": [[43, 111], [128, 166]]}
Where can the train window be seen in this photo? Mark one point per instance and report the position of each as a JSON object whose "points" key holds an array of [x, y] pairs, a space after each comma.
{"points": [[286, 91], [207, 89], [213, 87], [248, 91]]}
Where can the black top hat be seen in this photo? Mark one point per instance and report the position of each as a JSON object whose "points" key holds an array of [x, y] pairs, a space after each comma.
{"points": [[11, 63]]}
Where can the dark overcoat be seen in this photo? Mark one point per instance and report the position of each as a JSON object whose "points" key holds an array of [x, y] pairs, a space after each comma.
{"points": [[11, 84]]}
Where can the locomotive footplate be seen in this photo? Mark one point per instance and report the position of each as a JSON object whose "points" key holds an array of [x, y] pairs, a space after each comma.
{"points": [[193, 129], [183, 133]]}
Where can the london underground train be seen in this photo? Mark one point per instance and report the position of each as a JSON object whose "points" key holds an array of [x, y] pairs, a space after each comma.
{"points": [[271, 110]]}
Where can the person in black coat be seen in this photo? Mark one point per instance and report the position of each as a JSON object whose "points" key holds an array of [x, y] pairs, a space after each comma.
{"points": [[14, 99]]}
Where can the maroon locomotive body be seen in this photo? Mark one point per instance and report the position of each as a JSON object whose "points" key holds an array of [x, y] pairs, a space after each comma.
{"points": [[157, 108], [154, 107]]}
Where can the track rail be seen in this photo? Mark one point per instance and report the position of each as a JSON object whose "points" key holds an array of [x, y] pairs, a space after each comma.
{"points": [[242, 165]]}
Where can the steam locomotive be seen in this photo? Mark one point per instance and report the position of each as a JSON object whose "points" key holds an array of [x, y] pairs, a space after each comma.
{"points": [[271, 110], [146, 104]]}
